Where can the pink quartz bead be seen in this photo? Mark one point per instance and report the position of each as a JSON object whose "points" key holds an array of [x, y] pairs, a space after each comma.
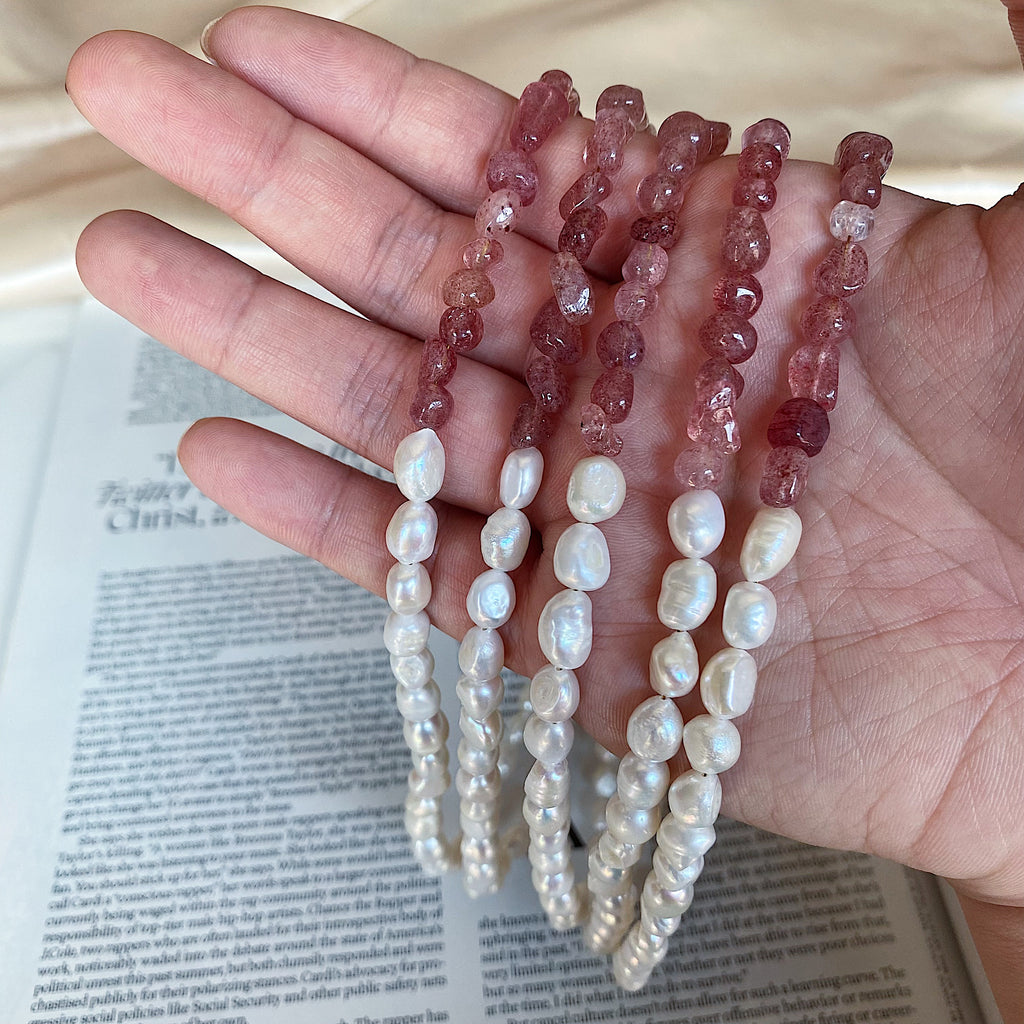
{"points": [[531, 427], [757, 193], [768, 130], [547, 383], [470, 288], [431, 406], [784, 478], [729, 336], [541, 109], [700, 468], [715, 427], [515, 170], [658, 230], [553, 335], [745, 241], [646, 263], [677, 157], [829, 318], [589, 189], [498, 213], [437, 362], [581, 230], [799, 423], [864, 148], [563, 83], [461, 327], [718, 383], [483, 254], [635, 301], [620, 344], [659, 192], [687, 125], [572, 289], [613, 392], [759, 160], [862, 184], [843, 271], [721, 133], [814, 374], [625, 97], [738, 292], [607, 142], [598, 434]]}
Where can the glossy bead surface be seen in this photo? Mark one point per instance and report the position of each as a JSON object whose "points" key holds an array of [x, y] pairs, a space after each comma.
{"points": [[412, 532], [645, 263], [863, 148], [427, 737], [540, 110], [554, 336], [699, 466], [581, 560], [481, 653], [565, 629], [581, 231], [738, 292], [431, 406], [598, 433], [547, 383], [659, 229], [695, 799], [814, 373], [670, 873], [677, 158], [850, 221], [688, 126], [655, 729], [784, 477], [685, 842], [828, 319], [438, 362], [515, 170], [862, 184], [745, 241], [712, 745], [406, 634], [480, 697], [521, 476], [531, 427], [413, 670], [596, 491], [589, 189], [659, 192], [770, 543], [688, 590], [627, 99], [631, 824], [606, 145], [491, 599], [572, 289], [799, 423], [727, 683], [554, 694], [843, 271], [696, 523], [548, 742], [640, 781], [407, 588], [621, 344], [504, 539], [419, 465], [728, 336], [635, 301], [768, 130], [759, 160], [482, 254], [748, 617], [613, 392], [498, 214], [548, 784], [673, 667], [460, 327], [469, 288], [758, 193]]}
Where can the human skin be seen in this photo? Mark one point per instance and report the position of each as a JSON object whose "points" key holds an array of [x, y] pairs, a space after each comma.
{"points": [[893, 687]]}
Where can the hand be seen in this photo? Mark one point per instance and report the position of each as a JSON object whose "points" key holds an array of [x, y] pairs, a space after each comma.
{"points": [[893, 688]]}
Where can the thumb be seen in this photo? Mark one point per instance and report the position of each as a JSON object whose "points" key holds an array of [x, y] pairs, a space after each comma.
{"points": [[1015, 14]]}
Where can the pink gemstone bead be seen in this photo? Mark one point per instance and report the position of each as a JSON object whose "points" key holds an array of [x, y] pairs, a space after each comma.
{"points": [[814, 374], [759, 160], [659, 230], [715, 427], [613, 392], [864, 148], [829, 318], [483, 254], [738, 292], [659, 192], [646, 263], [745, 241], [582, 229], [757, 193], [553, 335], [470, 288], [498, 213], [531, 427], [635, 301], [862, 184], [598, 434], [437, 362], [461, 328], [620, 344], [589, 189], [717, 383], [607, 143], [677, 157], [784, 477], [729, 336], [700, 468], [431, 406], [721, 133], [626, 98], [547, 383], [541, 109], [572, 289], [687, 125], [799, 423], [515, 170], [563, 83], [775, 133], [843, 271]]}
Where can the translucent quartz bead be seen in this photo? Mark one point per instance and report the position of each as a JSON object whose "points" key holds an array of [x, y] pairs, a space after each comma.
{"points": [[531, 427], [689, 587], [438, 362], [757, 193], [799, 423], [852, 221], [554, 694], [659, 192], [563, 83], [491, 599], [759, 160], [716, 427], [547, 383], [482, 254], [655, 729], [729, 336], [727, 683], [635, 301], [843, 271], [673, 668], [461, 327], [738, 292], [581, 230], [700, 466], [621, 343], [829, 318], [771, 131], [498, 213], [631, 824], [480, 698], [581, 559], [548, 742], [628, 99], [720, 133], [658, 230], [572, 289], [695, 799], [541, 109], [784, 477], [520, 478], [645, 263], [861, 184], [864, 148], [814, 374], [407, 588], [607, 142], [613, 392], [589, 189], [678, 157], [504, 539], [412, 531], [685, 124], [597, 432], [718, 383], [696, 523], [642, 782], [406, 634], [748, 617], [596, 490], [712, 744], [431, 406], [770, 543], [745, 241], [565, 629], [481, 653], [515, 170], [419, 465], [413, 670]]}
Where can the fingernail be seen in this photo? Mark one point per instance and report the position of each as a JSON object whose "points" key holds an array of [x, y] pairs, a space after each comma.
{"points": [[204, 39]]}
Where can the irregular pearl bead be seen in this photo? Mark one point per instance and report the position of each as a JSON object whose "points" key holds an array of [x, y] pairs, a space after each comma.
{"points": [[748, 617], [480, 699], [548, 742], [581, 560], [550, 842], [673, 877], [696, 523], [481, 653], [406, 634], [711, 744], [412, 532], [618, 853], [661, 902], [426, 737], [695, 799], [684, 843], [504, 539], [407, 588], [420, 704], [521, 476], [566, 629], [549, 862], [548, 785], [633, 825], [727, 682], [482, 788], [475, 760], [770, 543], [689, 588], [554, 694], [413, 669], [674, 666], [419, 465], [491, 599], [545, 820], [596, 489], [484, 734], [641, 782], [655, 729]]}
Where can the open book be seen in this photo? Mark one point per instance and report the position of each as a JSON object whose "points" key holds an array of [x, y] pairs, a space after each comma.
{"points": [[202, 774]]}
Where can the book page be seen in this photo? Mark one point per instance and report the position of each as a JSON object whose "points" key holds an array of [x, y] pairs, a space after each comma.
{"points": [[201, 782]]}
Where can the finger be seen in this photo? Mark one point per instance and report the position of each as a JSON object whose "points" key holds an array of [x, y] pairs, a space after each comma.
{"points": [[1015, 15]]}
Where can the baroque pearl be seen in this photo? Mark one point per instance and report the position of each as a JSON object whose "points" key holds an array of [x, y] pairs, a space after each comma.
{"points": [[770, 543], [596, 489], [413, 670], [504, 539], [727, 682], [641, 782], [426, 737], [688, 591], [480, 698], [549, 742], [491, 599], [674, 667], [711, 744], [406, 634], [655, 729], [521, 476], [554, 694], [407, 587], [419, 465], [412, 532], [696, 523], [671, 873], [581, 560], [420, 704], [481, 653], [631, 824], [565, 629], [695, 799], [548, 784], [748, 617]]}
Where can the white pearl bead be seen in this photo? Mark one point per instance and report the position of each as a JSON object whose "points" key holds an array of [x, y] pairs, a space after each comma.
{"points": [[419, 465], [406, 634], [481, 653], [484, 734], [473, 759], [548, 784], [491, 599], [550, 842], [655, 729], [661, 902], [581, 559], [504, 539], [631, 824], [748, 617], [412, 532], [480, 788], [770, 543], [689, 588], [617, 853], [545, 820], [549, 742], [672, 876], [413, 669], [682, 842], [696, 523], [566, 629], [480, 698], [665, 926], [420, 704], [426, 737], [479, 812], [641, 782], [521, 476], [851, 220], [407, 588], [596, 489], [549, 862], [727, 682], [695, 799], [674, 667], [711, 744], [554, 694]]}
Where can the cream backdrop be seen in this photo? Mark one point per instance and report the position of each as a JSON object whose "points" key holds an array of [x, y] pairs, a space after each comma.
{"points": [[940, 77]]}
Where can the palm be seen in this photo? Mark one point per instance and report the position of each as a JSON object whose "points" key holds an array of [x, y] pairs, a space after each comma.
{"points": [[894, 669]]}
